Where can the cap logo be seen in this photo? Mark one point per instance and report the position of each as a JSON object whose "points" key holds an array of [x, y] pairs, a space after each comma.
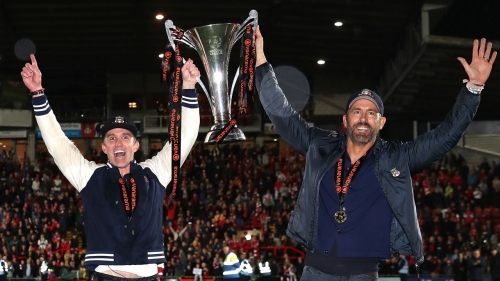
{"points": [[366, 92], [119, 119]]}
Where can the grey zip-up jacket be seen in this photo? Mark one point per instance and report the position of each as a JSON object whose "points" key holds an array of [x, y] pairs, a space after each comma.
{"points": [[323, 148]]}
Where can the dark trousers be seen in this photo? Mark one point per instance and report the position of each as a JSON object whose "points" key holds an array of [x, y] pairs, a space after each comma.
{"points": [[312, 274]]}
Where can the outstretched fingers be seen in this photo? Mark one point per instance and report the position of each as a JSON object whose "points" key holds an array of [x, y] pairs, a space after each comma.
{"points": [[475, 49], [493, 57], [488, 51], [482, 48]]}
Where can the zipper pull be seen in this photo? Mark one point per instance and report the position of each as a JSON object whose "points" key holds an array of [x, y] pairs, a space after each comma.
{"points": [[418, 274]]}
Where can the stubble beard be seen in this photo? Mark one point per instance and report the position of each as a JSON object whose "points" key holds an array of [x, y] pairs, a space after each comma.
{"points": [[361, 139]]}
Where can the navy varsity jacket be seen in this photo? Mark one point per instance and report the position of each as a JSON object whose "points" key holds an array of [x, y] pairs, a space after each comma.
{"points": [[113, 238]]}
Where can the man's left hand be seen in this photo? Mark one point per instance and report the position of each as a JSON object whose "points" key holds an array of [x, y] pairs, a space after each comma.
{"points": [[482, 61]]}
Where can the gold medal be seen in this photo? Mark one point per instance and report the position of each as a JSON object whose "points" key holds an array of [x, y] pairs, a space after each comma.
{"points": [[341, 215]]}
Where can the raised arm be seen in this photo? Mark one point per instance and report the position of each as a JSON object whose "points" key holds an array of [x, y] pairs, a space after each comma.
{"points": [[432, 146], [66, 155], [161, 164], [287, 122]]}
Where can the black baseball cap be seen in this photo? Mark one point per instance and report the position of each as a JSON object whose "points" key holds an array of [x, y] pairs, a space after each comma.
{"points": [[366, 94], [119, 122]]}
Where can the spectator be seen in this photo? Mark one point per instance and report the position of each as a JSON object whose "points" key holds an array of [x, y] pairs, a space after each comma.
{"points": [[403, 268], [42, 242], [56, 184], [3, 269], [495, 264], [36, 184], [476, 266]]}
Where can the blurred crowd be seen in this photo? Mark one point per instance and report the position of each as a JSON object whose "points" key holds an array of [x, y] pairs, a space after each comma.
{"points": [[242, 196]]}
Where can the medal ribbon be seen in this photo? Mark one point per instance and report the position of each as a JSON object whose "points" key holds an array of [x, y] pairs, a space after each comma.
{"points": [[342, 189], [130, 202], [172, 65]]}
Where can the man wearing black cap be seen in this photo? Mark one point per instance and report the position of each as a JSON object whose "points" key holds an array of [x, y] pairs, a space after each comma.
{"points": [[356, 204], [123, 199]]}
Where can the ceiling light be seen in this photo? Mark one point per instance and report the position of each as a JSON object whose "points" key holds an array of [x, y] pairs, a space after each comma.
{"points": [[338, 23], [159, 17], [160, 56], [321, 62]]}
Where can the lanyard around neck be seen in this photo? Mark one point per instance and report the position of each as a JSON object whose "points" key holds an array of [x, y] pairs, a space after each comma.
{"points": [[130, 201], [342, 188]]}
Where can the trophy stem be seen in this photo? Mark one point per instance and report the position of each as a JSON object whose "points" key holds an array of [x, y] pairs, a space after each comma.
{"points": [[234, 134]]}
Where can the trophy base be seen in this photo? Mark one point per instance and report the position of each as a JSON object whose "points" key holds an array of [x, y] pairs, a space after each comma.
{"points": [[236, 134]]}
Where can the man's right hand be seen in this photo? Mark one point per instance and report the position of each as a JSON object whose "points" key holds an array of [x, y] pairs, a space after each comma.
{"points": [[189, 74], [32, 76]]}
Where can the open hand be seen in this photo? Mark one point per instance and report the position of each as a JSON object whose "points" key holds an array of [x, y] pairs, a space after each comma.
{"points": [[482, 61]]}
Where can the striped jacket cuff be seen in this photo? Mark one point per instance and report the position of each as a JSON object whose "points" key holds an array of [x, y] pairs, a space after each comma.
{"points": [[190, 98], [41, 105], [157, 255], [100, 257]]}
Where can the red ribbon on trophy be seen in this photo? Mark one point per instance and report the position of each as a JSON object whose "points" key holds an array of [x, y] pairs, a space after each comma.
{"points": [[172, 65]]}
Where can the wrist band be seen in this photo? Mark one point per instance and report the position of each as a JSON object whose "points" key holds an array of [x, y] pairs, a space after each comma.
{"points": [[39, 92], [473, 88]]}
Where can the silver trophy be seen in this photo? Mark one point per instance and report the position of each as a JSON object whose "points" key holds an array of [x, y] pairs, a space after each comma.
{"points": [[214, 43]]}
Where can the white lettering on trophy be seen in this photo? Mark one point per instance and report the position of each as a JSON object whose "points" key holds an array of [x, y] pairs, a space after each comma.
{"points": [[215, 52]]}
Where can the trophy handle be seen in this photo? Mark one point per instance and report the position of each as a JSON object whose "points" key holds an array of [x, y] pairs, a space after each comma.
{"points": [[253, 19], [169, 26], [172, 29], [235, 79]]}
